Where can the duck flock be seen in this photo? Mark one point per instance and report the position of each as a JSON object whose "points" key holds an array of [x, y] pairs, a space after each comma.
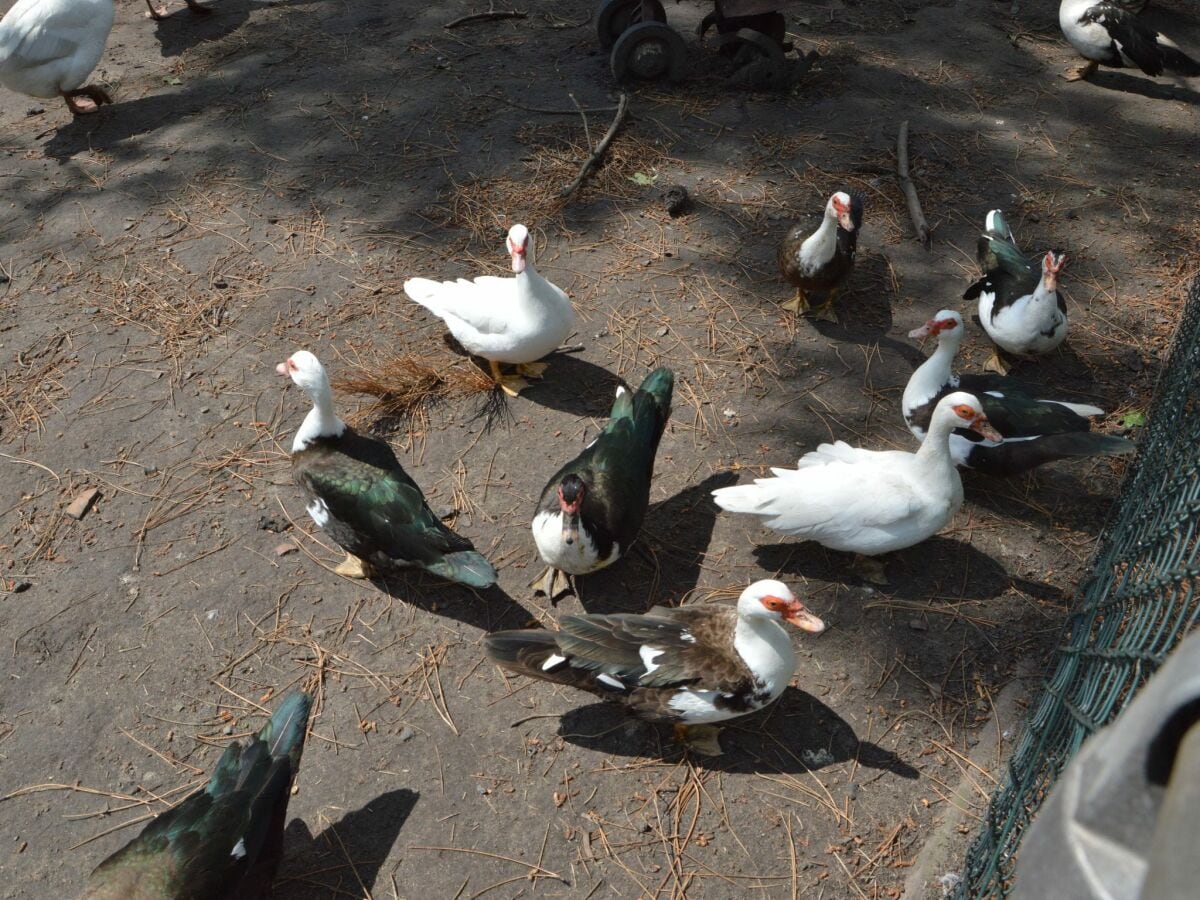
{"points": [[690, 667]]}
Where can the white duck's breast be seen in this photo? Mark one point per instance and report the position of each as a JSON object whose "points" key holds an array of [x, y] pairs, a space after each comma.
{"points": [[767, 651], [1091, 40], [818, 249], [697, 707], [48, 46], [1021, 327], [578, 558]]}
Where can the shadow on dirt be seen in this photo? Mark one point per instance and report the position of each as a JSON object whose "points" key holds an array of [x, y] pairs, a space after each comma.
{"points": [[488, 609], [798, 733], [939, 568], [667, 555], [347, 855]]}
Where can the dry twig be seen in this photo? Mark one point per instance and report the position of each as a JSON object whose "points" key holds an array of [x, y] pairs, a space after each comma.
{"points": [[598, 152], [910, 192]]}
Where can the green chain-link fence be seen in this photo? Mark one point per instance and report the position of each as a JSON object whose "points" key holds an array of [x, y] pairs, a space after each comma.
{"points": [[1139, 599]]}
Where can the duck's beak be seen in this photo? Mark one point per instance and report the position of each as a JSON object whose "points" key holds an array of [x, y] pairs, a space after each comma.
{"points": [[984, 427], [920, 334], [281, 369], [518, 259], [799, 616]]}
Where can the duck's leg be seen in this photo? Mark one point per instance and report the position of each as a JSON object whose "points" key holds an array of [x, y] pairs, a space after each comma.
{"points": [[797, 304], [197, 9], [353, 567], [702, 739], [510, 384], [996, 364], [532, 370], [869, 569], [96, 95], [825, 310], [157, 12], [553, 583], [1079, 73]]}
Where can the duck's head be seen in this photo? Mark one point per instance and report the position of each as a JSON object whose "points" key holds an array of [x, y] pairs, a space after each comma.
{"points": [[306, 371], [1052, 264], [519, 247], [963, 410], [769, 599], [847, 209], [570, 498], [946, 326]]}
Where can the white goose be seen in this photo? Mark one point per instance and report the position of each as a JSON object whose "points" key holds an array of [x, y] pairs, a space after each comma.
{"points": [[48, 48], [867, 501], [503, 320]]}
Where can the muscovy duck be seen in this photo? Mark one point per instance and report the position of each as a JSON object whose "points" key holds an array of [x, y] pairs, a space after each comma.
{"points": [[867, 502], [819, 262], [361, 496], [48, 48], [503, 320], [591, 509], [1110, 34], [225, 841], [1035, 430], [688, 666], [1019, 305]]}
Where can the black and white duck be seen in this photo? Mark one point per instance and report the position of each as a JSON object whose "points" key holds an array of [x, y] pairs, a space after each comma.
{"points": [[1034, 430], [1109, 33], [225, 841], [819, 261], [1019, 304], [592, 508], [687, 666], [362, 498]]}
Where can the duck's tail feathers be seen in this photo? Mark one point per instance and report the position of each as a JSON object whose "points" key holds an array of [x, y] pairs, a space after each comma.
{"points": [[466, 567], [1175, 60], [533, 652], [997, 227], [424, 291], [740, 498], [1013, 457]]}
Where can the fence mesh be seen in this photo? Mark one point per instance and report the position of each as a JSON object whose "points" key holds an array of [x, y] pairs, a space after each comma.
{"points": [[1139, 599]]}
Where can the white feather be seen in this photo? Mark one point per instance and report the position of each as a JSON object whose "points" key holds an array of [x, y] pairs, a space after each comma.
{"points": [[649, 655], [578, 558], [606, 679], [551, 661], [318, 511]]}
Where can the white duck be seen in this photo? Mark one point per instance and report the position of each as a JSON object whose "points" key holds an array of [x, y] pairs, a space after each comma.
{"points": [[1109, 33], [503, 320], [867, 501], [48, 48]]}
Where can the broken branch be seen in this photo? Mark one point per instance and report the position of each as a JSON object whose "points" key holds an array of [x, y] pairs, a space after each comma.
{"points": [[924, 235], [598, 152]]}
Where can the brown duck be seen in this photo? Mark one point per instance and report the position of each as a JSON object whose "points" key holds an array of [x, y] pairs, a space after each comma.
{"points": [[818, 263], [688, 666]]}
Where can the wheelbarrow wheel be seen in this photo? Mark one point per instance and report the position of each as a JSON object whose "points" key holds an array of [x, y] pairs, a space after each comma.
{"points": [[758, 59], [617, 16], [648, 51]]}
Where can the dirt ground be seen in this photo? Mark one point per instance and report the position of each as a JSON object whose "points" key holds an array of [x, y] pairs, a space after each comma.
{"points": [[266, 180]]}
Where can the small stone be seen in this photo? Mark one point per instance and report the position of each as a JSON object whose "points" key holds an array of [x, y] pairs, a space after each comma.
{"points": [[270, 523], [917, 625], [21, 586], [285, 548], [204, 409], [676, 200], [212, 614], [407, 734], [220, 284], [81, 504], [149, 470], [662, 331], [445, 511]]}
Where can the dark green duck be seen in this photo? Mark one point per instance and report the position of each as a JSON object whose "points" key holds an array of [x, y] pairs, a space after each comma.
{"points": [[591, 510], [225, 842], [362, 498]]}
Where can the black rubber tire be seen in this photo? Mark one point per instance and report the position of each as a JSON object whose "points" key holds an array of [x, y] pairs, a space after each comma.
{"points": [[648, 51], [617, 16]]}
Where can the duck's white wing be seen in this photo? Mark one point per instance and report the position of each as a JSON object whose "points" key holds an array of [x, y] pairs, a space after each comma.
{"points": [[32, 38], [827, 501], [478, 313]]}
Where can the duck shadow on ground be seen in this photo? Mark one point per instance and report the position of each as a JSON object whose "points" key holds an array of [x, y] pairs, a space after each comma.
{"points": [[798, 733], [667, 555], [346, 856], [576, 386], [488, 609], [1142, 86], [938, 568], [1050, 497]]}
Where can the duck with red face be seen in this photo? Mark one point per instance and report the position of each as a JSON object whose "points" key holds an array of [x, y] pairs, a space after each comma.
{"points": [[818, 262]]}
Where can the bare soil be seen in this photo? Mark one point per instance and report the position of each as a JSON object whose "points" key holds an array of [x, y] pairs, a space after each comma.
{"points": [[266, 180]]}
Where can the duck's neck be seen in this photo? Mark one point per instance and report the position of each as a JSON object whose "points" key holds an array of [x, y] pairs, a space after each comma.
{"points": [[766, 649], [819, 246], [1043, 294], [931, 376], [320, 422], [934, 452]]}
